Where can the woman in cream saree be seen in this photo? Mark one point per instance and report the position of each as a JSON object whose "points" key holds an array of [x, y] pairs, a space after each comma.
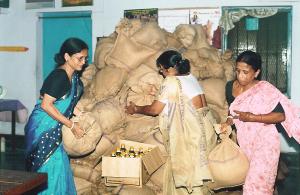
{"points": [[185, 141], [180, 105]]}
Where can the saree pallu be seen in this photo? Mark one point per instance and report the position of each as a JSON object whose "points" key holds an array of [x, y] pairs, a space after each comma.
{"points": [[260, 141], [44, 149], [186, 168]]}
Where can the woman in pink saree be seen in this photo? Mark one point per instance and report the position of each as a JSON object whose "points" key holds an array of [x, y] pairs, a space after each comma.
{"points": [[256, 109]]}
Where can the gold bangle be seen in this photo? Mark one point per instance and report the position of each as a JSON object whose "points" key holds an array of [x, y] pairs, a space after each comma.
{"points": [[229, 117], [261, 118]]}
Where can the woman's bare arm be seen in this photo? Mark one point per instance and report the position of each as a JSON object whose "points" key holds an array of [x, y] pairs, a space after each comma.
{"points": [[152, 110], [48, 106]]}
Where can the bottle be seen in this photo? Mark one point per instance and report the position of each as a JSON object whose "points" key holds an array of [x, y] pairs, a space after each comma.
{"points": [[131, 152], [123, 148], [118, 152], [140, 152], [113, 154]]}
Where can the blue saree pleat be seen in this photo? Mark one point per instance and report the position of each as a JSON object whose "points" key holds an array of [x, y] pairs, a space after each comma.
{"points": [[44, 149]]}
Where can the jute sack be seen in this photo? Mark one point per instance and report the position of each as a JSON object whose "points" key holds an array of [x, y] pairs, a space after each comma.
{"points": [[87, 143], [108, 82], [214, 90], [228, 164], [103, 47], [90, 174], [139, 129], [88, 74], [131, 190], [220, 113], [151, 35], [109, 114], [127, 53], [83, 187]]}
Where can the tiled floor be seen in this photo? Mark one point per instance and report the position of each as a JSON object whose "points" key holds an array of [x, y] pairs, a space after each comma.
{"points": [[14, 160]]}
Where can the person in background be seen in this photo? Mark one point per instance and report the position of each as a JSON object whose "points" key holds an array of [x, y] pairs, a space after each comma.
{"points": [[258, 110], [180, 105], [59, 94]]}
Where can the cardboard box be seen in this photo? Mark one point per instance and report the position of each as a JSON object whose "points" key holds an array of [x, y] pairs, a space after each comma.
{"points": [[131, 171]]}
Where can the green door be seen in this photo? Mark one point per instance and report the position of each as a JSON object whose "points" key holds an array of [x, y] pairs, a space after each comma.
{"points": [[57, 27]]}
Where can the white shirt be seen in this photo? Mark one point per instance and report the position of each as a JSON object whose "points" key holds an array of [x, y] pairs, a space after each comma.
{"points": [[190, 87]]}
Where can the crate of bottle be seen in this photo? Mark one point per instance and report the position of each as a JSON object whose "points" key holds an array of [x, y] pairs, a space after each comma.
{"points": [[131, 163]]}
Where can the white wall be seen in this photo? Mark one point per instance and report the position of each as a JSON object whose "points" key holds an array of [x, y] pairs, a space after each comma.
{"points": [[20, 72]]}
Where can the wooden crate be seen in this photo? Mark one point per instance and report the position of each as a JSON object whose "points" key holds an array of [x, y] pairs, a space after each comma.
{"points": [[131, 171]]}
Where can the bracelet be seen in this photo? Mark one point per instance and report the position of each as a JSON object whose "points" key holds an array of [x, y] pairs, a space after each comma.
{"points": [[261, 118], [135, 108], [73, 124], [229, 117]]}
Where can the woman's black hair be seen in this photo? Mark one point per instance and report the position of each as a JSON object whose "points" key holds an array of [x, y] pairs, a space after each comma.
{"points": [[172, 58], [251, 58], [70, 46]]}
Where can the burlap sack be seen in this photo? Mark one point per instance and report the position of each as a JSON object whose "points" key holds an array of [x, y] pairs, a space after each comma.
{"points": [[109, 114], [172, 41], [144, 84], [83, 187], [192, 56], [151, 61], [86, 144], [108, 82], [219, 113], [82, 161], [157, 140], [228, 165], [131, 190], [90, 174], [210, 53], [208, 68], [151, 35], [128, 27], [128, 54], [88, 74], [139, 97], [229, 70], [105, 144], [86, 102], [145, 78], [214, 90], [139, 129], [103, 47]]}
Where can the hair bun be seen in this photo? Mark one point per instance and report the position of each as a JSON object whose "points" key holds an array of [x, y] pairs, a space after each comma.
{"points": [[175, 59], [59, 59]]}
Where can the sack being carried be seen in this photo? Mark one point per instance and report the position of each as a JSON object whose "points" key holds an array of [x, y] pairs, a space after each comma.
{"points": [[228, 165]]}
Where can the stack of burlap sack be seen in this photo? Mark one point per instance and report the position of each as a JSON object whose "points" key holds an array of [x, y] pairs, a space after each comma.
{"points": [[124, 70]]}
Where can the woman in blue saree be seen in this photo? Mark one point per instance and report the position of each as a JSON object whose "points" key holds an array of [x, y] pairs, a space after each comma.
{"points": [[60, 92]]}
